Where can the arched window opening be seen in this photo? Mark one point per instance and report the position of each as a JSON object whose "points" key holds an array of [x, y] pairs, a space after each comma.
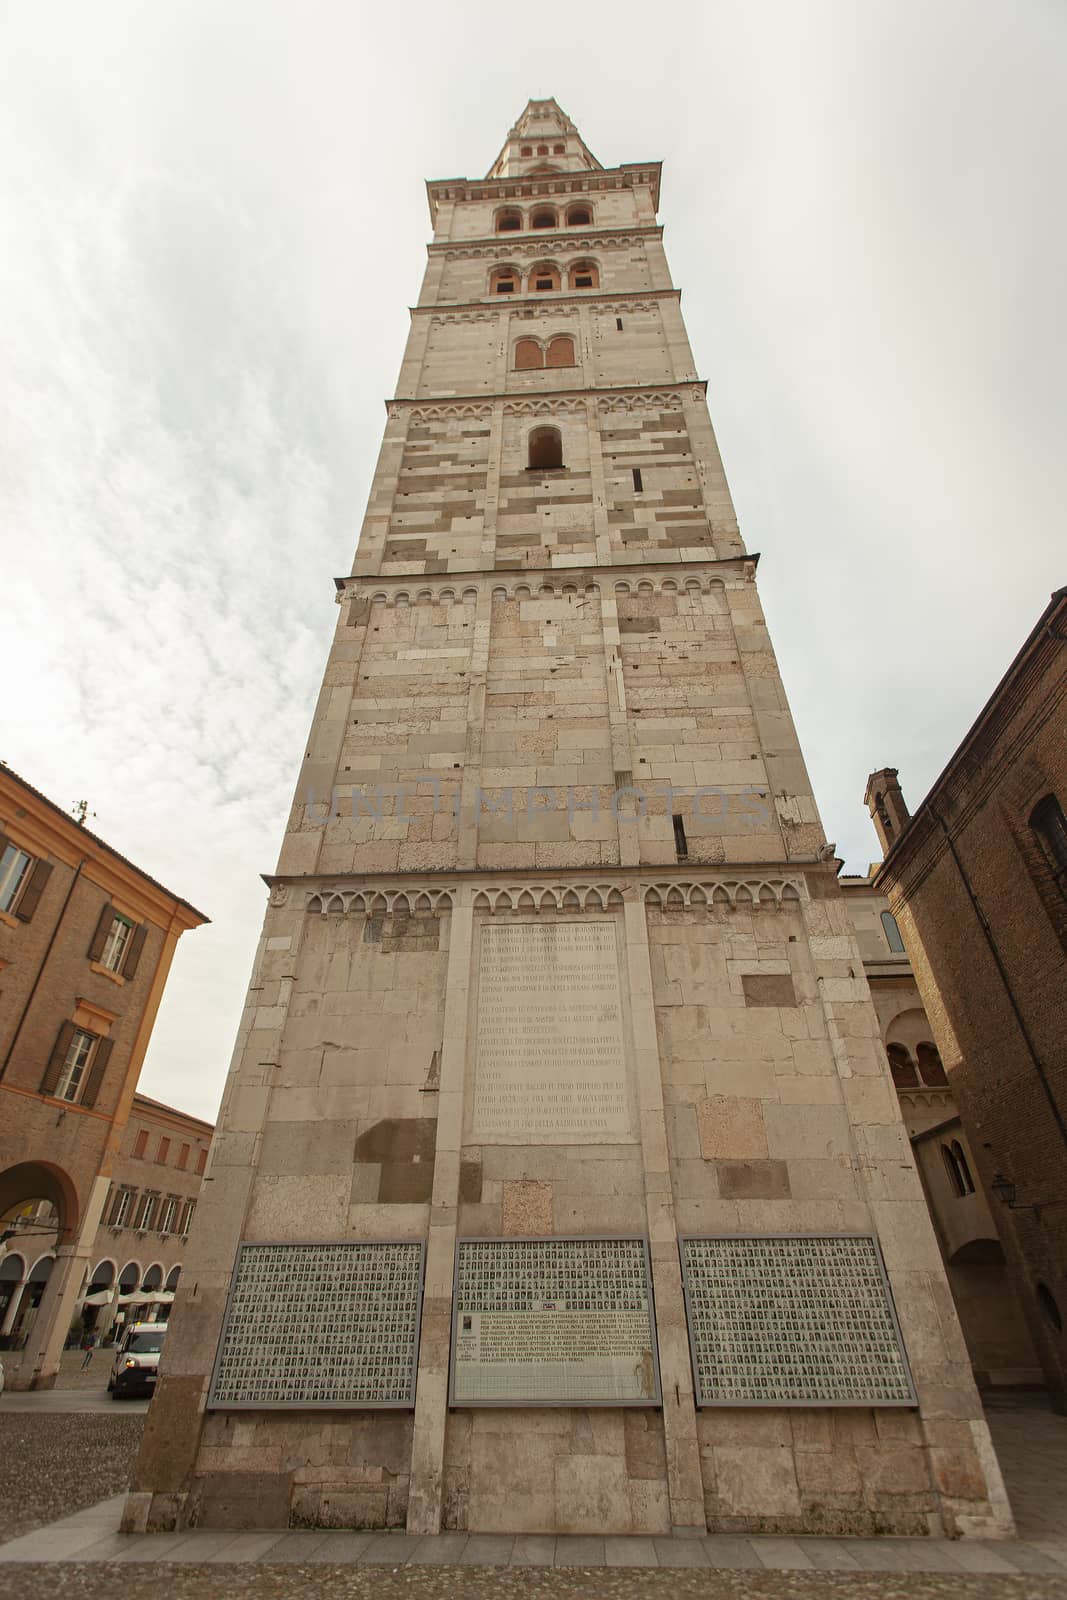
{"points": [[528, 354], [504, 280], [561, 351], [1050, 825], [542, 149], [962, 1167], [527, 150], [546, 449], [579, 217], [584, 275], [955, 1176], [933, 1073], [543, 217], [559, 149], [544, 276], [902, 1067], [892, 933], [509, 220]]}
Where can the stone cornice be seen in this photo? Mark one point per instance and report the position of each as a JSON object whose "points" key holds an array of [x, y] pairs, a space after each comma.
{"points": [[620, 300], [763, 887], [540, 243], [536, 185], [618, 398], [665, 567]]}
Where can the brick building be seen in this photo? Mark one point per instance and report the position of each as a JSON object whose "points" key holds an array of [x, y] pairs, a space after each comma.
{"points": [[977, 880], [86, 942], [998, 1341]]}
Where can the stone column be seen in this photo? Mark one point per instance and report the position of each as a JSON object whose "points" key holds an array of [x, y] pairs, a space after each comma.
{"points": [[53, 1320], [684, 1482], [431, 1394]]}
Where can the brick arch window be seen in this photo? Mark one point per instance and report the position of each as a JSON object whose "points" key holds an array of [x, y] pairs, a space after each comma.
{"points": [[560, 351], [509, 220], [544, 217], [1050, 828], [902, 1067], [544, 277], [584, 275], [528, 354], [542, 149], [505, 280], [545, 449], [580, 216], [559, 149], [527, 150], [933, 1073]]}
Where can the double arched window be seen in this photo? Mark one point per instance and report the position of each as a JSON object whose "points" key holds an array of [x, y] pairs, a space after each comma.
{"points": [[532, 353]]}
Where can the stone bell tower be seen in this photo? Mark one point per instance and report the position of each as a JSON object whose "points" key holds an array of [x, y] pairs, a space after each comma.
{"points": [[559, 1182]]}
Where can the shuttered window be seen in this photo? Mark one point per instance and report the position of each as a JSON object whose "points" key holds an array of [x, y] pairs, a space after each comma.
{"points": [[22, 880], [77, 1065], [117, 942]]}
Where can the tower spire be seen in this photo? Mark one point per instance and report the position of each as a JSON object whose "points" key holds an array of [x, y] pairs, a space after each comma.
{"points": [[544, 139]]}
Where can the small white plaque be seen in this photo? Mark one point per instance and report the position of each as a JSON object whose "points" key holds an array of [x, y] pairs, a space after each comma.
{"points": [[551, 1055], [793, 1321], [553, 1322]]}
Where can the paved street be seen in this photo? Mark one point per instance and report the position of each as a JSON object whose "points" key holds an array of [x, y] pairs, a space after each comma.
{"points": [[96, 1559]]}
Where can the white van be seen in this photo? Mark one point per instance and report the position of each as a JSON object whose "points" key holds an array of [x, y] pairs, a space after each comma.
{"points": [[137, 1360]]}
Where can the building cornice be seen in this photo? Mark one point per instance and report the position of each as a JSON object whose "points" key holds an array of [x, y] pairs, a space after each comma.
{"points": [[520, 400], [157, 1111], [538, 243], [619, 299], [981, 761], [632, 175], [669, 566], [43, 827]]}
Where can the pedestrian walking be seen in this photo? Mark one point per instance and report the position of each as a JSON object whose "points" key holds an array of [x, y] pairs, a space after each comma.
{"points": [[88, 1345]]}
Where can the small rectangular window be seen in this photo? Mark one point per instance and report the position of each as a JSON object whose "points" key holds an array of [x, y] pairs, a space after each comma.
{"points": [[681, 845], [505, 288], [201, 1160], [122, 1208], [140, 1144], [638, 484], [618, 323], [583, 283], [164, 1151], [543, 283], [183, 1157], [166, 1219]]}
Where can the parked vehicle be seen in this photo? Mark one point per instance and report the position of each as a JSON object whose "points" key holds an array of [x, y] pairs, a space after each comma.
{"points": [[136, 1363]]}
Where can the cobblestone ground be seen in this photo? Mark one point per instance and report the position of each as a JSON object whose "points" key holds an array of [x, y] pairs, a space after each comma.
{"points": [[51, 1465], [103, 1580]]}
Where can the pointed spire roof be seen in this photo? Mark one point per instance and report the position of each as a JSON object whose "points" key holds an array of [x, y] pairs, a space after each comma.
{"points": [[544, 139]]}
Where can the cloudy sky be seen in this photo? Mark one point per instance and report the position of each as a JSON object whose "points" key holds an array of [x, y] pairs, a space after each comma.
{"points": [[212, 221]]}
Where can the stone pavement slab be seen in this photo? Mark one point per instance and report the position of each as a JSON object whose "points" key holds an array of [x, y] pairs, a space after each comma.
{"points": [[441, 1549], [578, 1550], [630, 1550], [786, 1554], [680, 1552], [534, 1550]]}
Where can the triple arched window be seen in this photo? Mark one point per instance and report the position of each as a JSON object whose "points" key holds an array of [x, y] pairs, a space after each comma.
{"points": [[513, 219], [544, 277]]}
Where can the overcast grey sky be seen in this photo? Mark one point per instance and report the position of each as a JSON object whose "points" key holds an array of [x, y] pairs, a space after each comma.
{"points": [[212, 221]]}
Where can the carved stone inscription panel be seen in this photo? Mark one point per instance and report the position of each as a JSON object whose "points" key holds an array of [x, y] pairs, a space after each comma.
{"points": [[320, 1325], [551, 1057], [784, 1321], [553, 1322]]}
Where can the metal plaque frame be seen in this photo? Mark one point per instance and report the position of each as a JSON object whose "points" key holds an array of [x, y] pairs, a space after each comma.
{"points": [[654, 1402], [215, 1404], [736, 1403]]}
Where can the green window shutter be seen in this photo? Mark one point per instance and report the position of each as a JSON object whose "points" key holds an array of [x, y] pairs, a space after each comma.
{"points": [[101, 1055], [133, 953], [59, 1055], [103, 928], [30, 897]]}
